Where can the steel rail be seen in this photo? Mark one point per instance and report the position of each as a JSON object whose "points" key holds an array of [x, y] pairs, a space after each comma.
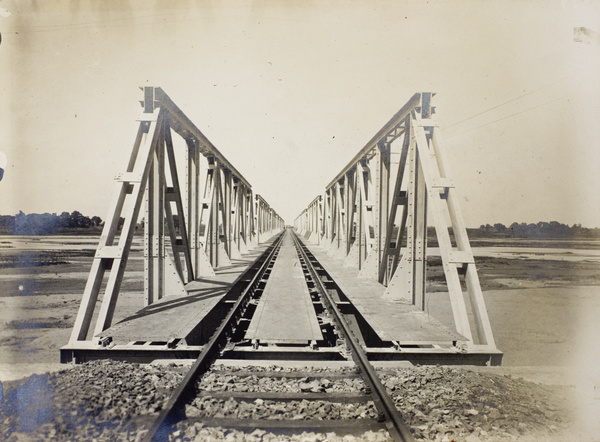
{"points": [[383, 402], [170, 414]]}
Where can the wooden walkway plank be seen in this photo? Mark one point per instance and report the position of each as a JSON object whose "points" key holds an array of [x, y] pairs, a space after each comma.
{"points": [[176, 316], [392, 320], [285, 312]]}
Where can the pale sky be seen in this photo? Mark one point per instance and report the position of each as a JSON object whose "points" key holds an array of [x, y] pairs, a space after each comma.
{"points": [[289, 92]]}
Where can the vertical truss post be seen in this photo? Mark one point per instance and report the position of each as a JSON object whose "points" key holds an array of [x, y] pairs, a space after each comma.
{"points": [[318, 218], [383, 195], [371, 199], [328, 219], [249, 220], [154, 230], [237, 218], [359, 202], [258, 219], [341, 230], [349, 207], [419, 236], [251, 228], [205, 218], [312, 224], [213, 242], [227, 205], [193, 203], [334, 234]]}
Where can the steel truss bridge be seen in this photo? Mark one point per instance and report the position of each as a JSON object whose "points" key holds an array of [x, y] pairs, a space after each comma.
{"points": [[218, 216], [205, 230], [374, 215]]}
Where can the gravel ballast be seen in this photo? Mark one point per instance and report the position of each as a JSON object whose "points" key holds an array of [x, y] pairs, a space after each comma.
{"points": [[109, 400]]}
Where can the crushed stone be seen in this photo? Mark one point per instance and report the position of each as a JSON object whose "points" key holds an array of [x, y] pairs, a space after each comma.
{"points": [[114, 401]]}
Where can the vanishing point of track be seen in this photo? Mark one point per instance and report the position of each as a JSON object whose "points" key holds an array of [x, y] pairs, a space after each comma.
{"points": [[240, 297]]}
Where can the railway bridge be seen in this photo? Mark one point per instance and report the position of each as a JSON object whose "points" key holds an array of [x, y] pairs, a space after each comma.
{"points": [[224, 275]]}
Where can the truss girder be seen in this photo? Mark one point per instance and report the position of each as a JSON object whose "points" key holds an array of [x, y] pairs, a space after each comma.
{"points": [[374, 214], [267, 220], [194, 222]]}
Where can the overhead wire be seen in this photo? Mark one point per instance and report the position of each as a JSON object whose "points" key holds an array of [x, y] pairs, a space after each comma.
{"points": [[506, 117], [503, 104]]}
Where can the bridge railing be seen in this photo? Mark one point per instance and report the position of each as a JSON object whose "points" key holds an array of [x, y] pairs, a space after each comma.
{"points": [[374, 216]]}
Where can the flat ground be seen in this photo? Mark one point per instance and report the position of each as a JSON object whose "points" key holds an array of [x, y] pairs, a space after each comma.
{"points": [[543, 300]]}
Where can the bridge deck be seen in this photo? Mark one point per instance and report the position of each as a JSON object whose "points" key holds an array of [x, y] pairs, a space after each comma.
{"points": [[391, 320], [285, 312], [176, 316]]}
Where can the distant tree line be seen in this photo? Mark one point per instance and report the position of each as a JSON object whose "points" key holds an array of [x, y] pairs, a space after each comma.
{"points": [[541, 230], [48, 223], [51, 223]]}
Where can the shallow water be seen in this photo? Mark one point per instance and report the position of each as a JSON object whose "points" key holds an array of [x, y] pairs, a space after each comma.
{"points": [[525, 249], [55, 242], [548, 253]]}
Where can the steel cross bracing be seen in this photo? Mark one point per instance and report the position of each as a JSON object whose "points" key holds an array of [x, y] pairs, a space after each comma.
{"points": [[374, 215], [194, 222]]}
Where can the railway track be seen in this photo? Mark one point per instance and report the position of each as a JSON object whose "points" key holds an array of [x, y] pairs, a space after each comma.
{"points": [[348, 399]]}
